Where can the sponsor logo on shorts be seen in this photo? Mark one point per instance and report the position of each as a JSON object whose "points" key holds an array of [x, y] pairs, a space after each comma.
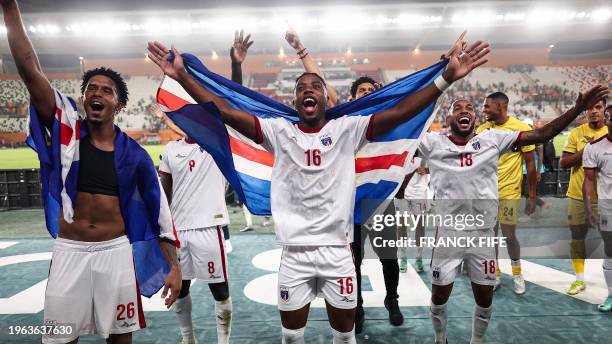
{"points": [[489, 278], [284, 293], [435, 272], [213, 276], [127, 324], [604, 221], [347, 299]]}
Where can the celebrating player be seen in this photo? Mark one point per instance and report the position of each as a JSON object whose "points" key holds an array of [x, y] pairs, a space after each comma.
{"points": [[578, 138], [463, 169], [510, 174], [195, 190], [312, 198], [92, 282], [597, 164]]}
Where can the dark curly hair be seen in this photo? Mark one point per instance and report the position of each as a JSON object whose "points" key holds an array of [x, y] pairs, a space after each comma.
{"points": [[359, 81], [111, 74]]}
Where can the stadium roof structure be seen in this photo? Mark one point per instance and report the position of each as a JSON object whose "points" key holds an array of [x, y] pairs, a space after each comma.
{"points": [[121, 28]]}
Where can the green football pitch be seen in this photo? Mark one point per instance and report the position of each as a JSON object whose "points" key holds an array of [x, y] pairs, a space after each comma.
{"points": [[20, 158], [545, 314]]}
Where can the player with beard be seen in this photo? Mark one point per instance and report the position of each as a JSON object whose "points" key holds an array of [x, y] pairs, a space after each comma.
{"points": [[463, 168], [578, 138], [92, 282], [597, 164], [313, 183], [510, 174]]}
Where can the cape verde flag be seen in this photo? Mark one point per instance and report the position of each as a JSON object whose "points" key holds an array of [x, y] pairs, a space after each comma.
{"points": [[247, 166], [144, 207]]}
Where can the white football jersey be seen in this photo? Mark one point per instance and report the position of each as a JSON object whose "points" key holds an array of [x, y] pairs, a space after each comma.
{"points": [[466, 173], [417, 186], [598, 155], [313, 179], [198, 189]]}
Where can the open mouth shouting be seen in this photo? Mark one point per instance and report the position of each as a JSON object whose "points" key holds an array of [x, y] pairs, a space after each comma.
{"points": [[310, 104], [464, 121], [96, 107]]}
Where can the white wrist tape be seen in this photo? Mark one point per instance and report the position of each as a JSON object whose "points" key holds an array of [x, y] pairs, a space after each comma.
{"points": [[441, 84]]}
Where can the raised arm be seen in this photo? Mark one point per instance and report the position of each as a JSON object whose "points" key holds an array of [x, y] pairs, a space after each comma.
{"points": [[27, 63], [309, 63], [588, 188], [553, 128], [238, 54], [532, 180], [241, 121], [167, 121], [461, 63]]}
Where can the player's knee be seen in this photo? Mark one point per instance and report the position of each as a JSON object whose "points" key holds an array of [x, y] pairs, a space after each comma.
{"points": [[220, 291], [293, 336], [439, 296], [184, 289], [484, 298]]}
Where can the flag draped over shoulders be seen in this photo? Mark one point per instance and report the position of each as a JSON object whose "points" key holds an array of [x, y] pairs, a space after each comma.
{"points": [[248, 166], [143, 205]]}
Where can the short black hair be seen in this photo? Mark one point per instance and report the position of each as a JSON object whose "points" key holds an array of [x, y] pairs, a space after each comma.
{"points": [[499, 96], [111, 74], [359, 81], [308, 73]]}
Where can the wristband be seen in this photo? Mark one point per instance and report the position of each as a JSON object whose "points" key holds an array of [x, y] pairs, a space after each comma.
{"points": [[302, 56], [441, 83], [301, 51]]}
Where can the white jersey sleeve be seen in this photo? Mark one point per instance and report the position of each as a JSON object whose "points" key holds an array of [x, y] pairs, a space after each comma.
{"points": [[269, 129], [164, 165], [505, 140], [358, 128], [426, 145], [589, 159]]}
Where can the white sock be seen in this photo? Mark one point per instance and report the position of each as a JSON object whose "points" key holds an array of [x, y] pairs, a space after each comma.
{"points": [[480, 321], [439, 319], [247, 216], [182, 307], [223, 312], [344, 337], [293, 336]]}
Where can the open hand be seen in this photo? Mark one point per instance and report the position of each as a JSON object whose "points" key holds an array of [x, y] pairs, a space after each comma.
{"points": [[591, 97], [463, 61], [173, 283], [169, 61], [293, 39], [241, 45]]}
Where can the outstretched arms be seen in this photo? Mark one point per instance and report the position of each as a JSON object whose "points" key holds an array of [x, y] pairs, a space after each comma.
{"points": [[27, 63], [309, 63], [238, 54], [553, 128], [461, 63], [243, 122]]}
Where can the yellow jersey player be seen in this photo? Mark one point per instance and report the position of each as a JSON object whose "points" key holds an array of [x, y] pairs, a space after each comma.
{"points": [[578, 138], [510, 169]]}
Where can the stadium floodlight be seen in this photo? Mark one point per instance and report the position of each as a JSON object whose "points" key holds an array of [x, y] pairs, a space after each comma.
{"points": [[281, 53], [2, 29], [601, 15], [214, 55]]}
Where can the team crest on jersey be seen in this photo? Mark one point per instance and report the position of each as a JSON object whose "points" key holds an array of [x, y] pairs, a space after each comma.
{"points": [[326, 140], [476, 145], [284, 293]]}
